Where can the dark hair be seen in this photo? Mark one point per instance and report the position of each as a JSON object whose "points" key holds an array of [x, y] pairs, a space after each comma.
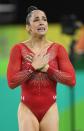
{"points": [[29, 12]]}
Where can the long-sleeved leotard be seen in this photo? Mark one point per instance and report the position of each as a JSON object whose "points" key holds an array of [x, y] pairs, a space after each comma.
{"points": [[39, 88]]}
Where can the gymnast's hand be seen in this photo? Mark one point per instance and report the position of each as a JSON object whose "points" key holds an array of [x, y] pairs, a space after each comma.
{"points": [[26, 63], [29, 57], [40, 61]]}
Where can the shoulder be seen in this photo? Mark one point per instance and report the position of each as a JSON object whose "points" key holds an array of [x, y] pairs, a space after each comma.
{"points": [[59, 45], [16, 48], [61, 50]]}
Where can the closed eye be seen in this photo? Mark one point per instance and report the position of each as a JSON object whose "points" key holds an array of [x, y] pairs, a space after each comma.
{"points": [[37, 19]]}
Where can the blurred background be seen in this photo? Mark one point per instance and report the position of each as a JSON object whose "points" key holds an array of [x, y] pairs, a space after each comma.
{"points": [[66, 26]]}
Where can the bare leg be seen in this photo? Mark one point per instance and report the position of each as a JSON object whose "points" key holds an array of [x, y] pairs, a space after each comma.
{"points": [[26, 119], [50, 120]]}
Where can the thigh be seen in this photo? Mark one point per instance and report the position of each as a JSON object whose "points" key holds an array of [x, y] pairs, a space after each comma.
{"points": [[26, 119], [50, 121]]}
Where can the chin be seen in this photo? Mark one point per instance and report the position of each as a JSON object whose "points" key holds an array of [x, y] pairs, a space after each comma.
{"points": [[42, 33]]}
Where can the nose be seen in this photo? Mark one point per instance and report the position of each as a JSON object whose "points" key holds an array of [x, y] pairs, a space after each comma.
{"points": [[41, 24]]}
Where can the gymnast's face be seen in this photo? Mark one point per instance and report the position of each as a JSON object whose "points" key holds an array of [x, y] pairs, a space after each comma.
{"points": [[38, 23]]}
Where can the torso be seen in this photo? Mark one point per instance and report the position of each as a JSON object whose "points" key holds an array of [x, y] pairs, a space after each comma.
{"points": [[52, 49]]}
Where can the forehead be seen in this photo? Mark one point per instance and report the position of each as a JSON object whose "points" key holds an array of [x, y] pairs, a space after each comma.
{"points": [[38, 13]]}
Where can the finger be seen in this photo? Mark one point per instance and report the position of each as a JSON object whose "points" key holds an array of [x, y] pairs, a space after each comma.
{"points": [[44, 51], [46, 58], [31, 54], [28, 57], [29, 60], [41, 55]]}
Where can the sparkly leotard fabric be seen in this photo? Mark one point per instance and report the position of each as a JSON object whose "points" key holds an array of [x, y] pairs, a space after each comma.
{"points": [[39, 88]]}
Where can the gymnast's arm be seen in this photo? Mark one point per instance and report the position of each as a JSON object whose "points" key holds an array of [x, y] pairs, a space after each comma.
{"points": [[65, 74], [15, 75]]}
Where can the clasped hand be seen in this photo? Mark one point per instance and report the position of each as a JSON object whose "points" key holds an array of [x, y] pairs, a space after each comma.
{"points": [[39, 61]]}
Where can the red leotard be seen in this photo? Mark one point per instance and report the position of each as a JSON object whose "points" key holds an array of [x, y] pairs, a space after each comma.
{"points": [[38, 88]]}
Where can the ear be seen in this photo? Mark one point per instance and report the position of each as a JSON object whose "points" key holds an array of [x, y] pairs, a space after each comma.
{"points": [[28, 28]]}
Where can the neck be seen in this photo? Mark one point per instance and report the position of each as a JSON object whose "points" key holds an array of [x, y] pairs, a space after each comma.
{"points": [[38, 41]]}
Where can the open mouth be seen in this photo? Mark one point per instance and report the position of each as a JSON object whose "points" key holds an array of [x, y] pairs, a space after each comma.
{"points": [[41, 29]]}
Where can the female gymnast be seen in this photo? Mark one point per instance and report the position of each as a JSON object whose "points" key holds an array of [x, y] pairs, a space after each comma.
{"points": [[38, 64]]}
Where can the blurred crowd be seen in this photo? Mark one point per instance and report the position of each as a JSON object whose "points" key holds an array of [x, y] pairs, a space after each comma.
{"points": [[70, 25]]}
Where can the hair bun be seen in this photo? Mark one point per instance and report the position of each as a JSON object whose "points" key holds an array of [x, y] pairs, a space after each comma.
{"points": [[31, 8]]}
